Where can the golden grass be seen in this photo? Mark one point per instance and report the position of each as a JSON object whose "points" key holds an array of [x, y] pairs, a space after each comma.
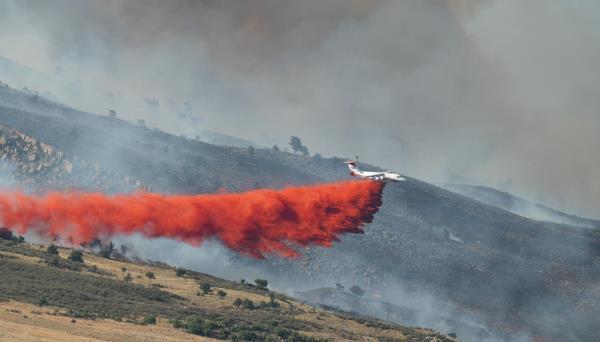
{"points": [[26, 322]]}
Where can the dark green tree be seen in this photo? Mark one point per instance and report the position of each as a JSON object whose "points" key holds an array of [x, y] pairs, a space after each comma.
{"points": [[150, 275], [297, 146], [261, 283]]}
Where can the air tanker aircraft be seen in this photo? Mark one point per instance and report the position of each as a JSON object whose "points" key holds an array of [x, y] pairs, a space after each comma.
{"points": [[387, 176]]}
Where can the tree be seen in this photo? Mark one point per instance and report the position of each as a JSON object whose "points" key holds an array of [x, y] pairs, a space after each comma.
{"points": [[276, 149], [237, 302], [297, 146], [52, 250], [357, 291], [261, 283], [123, 269], [251, 150], [128, 278], [180, 272], [150, 275], [106, 251], [243, 281], [43, 301], [76, 256], [205, 287], [221, 294]]}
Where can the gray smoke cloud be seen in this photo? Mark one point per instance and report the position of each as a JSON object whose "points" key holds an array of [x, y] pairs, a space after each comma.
{"points": [[501, 93]]}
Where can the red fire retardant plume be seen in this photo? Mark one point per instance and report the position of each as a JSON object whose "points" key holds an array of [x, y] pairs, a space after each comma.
{"points": [[256, 222]]}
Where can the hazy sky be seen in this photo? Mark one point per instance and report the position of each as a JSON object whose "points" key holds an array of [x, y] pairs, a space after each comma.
{"points": [[501, 93]]}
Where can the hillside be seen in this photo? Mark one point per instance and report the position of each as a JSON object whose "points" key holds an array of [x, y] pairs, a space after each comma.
{"points": [[520, 205], [48, 296], [432, 257]]}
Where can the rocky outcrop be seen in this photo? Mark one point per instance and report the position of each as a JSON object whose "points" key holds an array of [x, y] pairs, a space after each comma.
{"points": [[42, 167]]}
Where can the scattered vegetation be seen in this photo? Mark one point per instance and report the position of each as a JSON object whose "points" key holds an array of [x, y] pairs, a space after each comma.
{"points": [[81, 295]]}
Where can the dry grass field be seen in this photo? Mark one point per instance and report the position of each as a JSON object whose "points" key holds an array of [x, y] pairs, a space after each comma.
{"points": [[42, 299]]}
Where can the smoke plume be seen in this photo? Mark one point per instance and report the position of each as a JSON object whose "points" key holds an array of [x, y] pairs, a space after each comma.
{"points": [[254, 223]]}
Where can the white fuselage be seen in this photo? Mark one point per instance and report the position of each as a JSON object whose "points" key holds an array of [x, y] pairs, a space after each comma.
{"points": [[386, 176]]}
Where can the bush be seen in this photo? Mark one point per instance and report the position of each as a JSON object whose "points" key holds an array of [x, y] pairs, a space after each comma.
{"points": [[128, 278], [195, 328], [237, 302], [176, 323], [149, 320], [221, 294], [52, 250], [43, 301], [205, 287], [261, 283], [150, 275], [76, 256], [180, 272], [248, 304]]}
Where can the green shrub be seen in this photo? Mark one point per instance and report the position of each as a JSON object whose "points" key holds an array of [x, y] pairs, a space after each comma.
{"points": [[149, 320], [180, 272], [238, 302], [248, 304], [76, 256], [176, 323], [221, 294], [205, 287], [52, 250]]}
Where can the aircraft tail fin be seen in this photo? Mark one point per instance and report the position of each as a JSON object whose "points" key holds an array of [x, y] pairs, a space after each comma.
{"points": [[352, 166]]}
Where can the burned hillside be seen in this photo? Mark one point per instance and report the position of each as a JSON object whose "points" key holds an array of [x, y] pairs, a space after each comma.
{"points": [[430, 251]]}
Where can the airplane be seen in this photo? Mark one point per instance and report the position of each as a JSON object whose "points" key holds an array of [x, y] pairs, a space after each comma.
{"points": [[387, 176]]}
